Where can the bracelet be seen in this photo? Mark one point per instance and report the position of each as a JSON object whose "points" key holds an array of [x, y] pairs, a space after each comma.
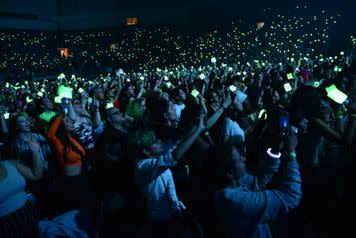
{"points": [[277, 156]]}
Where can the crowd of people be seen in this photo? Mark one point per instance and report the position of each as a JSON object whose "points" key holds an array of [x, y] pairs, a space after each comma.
{"points": [[238, 134]]}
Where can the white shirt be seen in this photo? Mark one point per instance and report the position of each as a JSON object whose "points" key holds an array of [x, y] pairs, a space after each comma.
{"points": [[179, 108], [233, 131], [155, 180]]}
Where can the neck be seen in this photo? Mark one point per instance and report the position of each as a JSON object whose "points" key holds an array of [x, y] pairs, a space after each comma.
{"points": [[22, 133]]}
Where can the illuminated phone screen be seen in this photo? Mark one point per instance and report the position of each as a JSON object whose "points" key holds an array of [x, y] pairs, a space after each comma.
{"points": [[194, 93]]}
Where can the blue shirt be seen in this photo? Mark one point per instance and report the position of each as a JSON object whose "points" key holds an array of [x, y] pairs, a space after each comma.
{"points": [[246, 209], [155, 180]]}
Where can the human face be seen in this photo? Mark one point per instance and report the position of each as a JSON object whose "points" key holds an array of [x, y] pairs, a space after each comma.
{"points": [[171, 113], [238, 164], [143, 105], [23, 124], [47, 104], [214, 98], [156, 148], [182, 96], [68, 123], [130, 91], [77, 106], [100, 94], [116, 116]]}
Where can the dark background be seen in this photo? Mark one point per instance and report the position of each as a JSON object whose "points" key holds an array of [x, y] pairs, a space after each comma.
{"points": [[86, 14]]}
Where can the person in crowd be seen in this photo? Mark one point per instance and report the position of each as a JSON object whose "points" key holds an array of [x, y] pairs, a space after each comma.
{"points": [[48, 113], [18, 217], [86, 130], [231, 131], [179, 96], [70, 161], [113, 164], [18, 145], [244, 206], [154, 177]]}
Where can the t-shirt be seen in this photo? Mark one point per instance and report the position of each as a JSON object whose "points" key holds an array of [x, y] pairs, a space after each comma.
{"points": [[12, 187], [155, 180]]}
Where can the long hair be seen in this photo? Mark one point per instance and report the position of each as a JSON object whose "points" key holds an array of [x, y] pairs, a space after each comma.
{"points": [[64, 136]]}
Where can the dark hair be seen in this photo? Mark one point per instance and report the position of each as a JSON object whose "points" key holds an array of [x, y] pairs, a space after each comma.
{"points": [[158, 109], [305, 101], [220, 164], [190, 116], [64, 136]]}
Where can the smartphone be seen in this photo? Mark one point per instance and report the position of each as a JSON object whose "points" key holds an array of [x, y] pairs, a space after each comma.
{"points": [[40, 94], [335, 94], [109, 105], [65, 92], [7, 116], [194, 93], [80, 90], [287, 87], [169, 84], [283, 123], [90, 100], [202, 76], [165, 78], [58, 99], [232, 88], [290, 76]]}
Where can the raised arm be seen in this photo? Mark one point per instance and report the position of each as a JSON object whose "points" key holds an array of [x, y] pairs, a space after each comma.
{"points": [[36, 170], [215, 117], [186, 143]]}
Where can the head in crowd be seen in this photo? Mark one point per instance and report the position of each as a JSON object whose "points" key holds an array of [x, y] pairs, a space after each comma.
{"points": [[136, 108], [178, 95], [23, 123], [114, 116], [164, 112], [98, 92], [143, 143], [77, 106], [230, 165], [47, 104]]}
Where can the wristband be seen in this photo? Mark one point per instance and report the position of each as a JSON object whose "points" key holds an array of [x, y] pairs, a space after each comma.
{"points": [[277, 156]]}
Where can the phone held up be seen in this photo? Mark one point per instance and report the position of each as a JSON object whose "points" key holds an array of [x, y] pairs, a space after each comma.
{"points": [[278, 122]]}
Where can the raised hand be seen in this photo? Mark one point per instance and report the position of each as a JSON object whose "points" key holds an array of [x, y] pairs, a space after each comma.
{"points": [[33, 144], [227, 101]]}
